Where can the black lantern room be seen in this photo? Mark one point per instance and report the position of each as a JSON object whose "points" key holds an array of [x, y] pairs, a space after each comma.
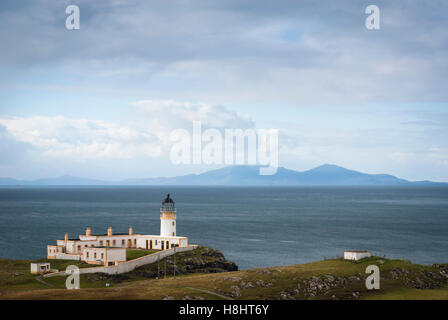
{"points": [[168, 204]]}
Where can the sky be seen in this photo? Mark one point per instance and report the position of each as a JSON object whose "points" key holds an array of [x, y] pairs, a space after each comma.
{"points": [[100, 102]]}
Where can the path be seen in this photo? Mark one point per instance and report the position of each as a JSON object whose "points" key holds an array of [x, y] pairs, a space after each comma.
{"points": [[39, 278], [210, 292]]}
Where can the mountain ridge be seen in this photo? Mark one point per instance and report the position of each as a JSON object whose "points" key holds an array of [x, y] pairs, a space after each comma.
{"points": [[324, 175]]}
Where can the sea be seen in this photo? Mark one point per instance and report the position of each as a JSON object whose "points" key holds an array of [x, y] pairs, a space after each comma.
{"points": [[252, 226]]}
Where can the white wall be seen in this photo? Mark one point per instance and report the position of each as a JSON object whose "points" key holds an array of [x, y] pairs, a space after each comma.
{"points": [[65, 256], [130, 265], [353, 255], [157, 242], [167, 227], [88, 254], [116, 255], [40, 267], [51, 251]]}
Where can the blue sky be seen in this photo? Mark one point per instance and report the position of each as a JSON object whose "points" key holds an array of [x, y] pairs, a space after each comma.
{"points": [[83, 102]]}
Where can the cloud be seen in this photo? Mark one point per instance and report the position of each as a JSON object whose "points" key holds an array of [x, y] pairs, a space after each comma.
{"points": [[174, 114], [85, 139], [293, 51], [12, 151], [292, 56], [82, 139]]}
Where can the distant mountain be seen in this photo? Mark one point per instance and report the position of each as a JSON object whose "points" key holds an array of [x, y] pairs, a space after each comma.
{"points": [[325, 175], [59, 181]]}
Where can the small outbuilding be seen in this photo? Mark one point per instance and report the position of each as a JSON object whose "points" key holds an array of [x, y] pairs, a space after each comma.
{"points": [[40, 267], [356, 254]]}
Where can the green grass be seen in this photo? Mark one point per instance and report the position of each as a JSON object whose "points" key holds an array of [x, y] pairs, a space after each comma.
{"points": [[15, 276], [410, 294], [132, 254], [61, 265]]}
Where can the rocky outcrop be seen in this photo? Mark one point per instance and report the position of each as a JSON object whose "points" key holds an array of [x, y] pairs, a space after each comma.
{"points": [[200, 260], [209, 260], [323, 286], [422, 279]]}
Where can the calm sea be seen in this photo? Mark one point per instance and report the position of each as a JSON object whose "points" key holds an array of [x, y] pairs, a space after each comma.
{"points": [[252, 226]]}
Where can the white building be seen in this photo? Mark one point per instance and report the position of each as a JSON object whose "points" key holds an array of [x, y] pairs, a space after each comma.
{"points": [[356, 254], [40, 267], [110, 249]]}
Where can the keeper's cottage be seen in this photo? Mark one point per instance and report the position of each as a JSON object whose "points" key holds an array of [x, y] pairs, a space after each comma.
{"points": [[110, 249]]}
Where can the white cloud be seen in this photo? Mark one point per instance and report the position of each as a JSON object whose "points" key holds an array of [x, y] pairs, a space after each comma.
{"points": [[85, 139], [81, 138], [174, 113]]}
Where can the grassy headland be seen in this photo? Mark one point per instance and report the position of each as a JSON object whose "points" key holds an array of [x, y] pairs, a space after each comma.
{"points": [[204, 273]]}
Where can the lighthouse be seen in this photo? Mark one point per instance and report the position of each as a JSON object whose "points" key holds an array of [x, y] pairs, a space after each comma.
{"points": [[110, 248], [168, 218]]}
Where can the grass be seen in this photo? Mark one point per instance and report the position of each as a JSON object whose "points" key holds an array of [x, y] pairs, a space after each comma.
{"points": [[136, 285], [411, 294], [132, 254], [61, 265]]}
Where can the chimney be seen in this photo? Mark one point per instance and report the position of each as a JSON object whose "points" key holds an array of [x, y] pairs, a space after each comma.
{"points": [[88, 232], [66, 237], [109, 231], [131, 232]]}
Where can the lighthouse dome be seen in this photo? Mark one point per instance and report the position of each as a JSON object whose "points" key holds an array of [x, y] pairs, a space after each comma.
{"points": [[167, 199], [168, 205]]}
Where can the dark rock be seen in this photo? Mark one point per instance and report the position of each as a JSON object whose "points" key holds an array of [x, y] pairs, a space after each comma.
{"points": [[354, 279]]}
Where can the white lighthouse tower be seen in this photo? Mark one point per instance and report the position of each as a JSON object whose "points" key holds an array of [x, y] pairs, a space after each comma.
{"points": [[168, 218]]}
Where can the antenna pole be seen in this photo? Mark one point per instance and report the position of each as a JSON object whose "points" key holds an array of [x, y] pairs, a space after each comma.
{"points": [[158, 266], [174, 267]]}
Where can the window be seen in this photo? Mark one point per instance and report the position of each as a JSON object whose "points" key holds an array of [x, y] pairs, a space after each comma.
{"points": [[122, 242], [135, 241], [173, 223], [174, 234], [94, 255], [114, 242], [79, 248], [101, 243], [87, 254]]}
